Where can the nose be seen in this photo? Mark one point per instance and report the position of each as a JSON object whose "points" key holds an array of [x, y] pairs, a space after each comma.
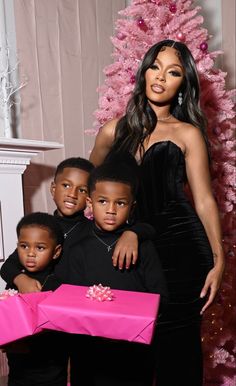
{"points": [[111, 209], [161, 77], [73, 192], [31, 252]]}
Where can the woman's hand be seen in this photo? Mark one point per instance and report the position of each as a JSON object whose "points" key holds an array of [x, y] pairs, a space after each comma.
{"points": [[212, 284], [26, 284], [126, 250]]}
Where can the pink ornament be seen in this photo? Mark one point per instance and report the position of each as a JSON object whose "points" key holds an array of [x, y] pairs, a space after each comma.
{"points": [[172, 7], [203, 46], [132, 79], [180, 36], [120, 35], [142, 25]]}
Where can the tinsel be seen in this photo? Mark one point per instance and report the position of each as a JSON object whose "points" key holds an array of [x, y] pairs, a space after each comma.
{"points": [[173, 20]]}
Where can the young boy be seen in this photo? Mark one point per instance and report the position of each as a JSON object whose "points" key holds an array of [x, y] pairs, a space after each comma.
{"points": [[69, 191], [37, 360], [112, 189]]}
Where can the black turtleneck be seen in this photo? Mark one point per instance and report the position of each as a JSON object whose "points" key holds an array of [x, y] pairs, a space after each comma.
{"points": [[90, 262], [74, 227]]}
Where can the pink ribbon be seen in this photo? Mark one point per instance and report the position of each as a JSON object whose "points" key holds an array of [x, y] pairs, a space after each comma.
{"points": [[100, 293], [7, 293]]}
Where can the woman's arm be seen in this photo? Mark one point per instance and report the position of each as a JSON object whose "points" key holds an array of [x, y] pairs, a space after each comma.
{"points": [[198, 175], [103, 142]]}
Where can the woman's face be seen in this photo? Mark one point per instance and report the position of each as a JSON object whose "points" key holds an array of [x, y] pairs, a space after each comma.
{"points": [[164, 77]]}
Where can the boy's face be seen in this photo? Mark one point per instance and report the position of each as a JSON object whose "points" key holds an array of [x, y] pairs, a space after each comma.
{"points": [[36, 248], [69, 191], [111, 203]]}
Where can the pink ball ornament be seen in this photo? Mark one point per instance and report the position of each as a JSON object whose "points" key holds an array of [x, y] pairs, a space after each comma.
{"points": [[120, 35], [203, 46], [142, 25], [132, 79], [180, 36], [172, 7]]}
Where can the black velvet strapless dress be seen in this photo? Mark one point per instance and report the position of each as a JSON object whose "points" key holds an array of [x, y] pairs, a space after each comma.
{"points": [[181, 240]]}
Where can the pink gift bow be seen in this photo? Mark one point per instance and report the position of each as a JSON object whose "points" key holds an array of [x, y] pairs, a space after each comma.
{"points": [[7, 293], [100, 293]]}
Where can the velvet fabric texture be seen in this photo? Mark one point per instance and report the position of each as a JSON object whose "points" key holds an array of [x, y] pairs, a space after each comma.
{"points": [[186, 257]]}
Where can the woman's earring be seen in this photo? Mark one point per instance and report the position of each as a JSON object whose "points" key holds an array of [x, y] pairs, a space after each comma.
{"points": [[180, 98]]}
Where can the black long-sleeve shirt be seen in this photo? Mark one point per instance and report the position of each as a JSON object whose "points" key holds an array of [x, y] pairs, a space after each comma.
{"points": [[75, 229], [89, 262]]}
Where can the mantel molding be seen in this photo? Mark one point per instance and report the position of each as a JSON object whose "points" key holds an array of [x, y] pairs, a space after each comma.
{"points": [[16, 154], [30, 145]]}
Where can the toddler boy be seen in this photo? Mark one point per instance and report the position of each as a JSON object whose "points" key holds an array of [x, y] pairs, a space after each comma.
{"points": [[37, 360]]}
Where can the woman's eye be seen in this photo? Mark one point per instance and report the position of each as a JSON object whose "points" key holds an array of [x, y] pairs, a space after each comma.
{"points": [[175, 73], [154, 67]]}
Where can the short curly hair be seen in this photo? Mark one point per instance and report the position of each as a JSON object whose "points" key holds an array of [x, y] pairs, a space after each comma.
{"points": [[42, 220]]}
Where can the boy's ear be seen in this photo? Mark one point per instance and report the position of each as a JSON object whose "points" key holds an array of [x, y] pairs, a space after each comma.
{"points": [[57, 251], [52, 188]]}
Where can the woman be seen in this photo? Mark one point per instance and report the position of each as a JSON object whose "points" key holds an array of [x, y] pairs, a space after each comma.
{"points": [[165, 129]]}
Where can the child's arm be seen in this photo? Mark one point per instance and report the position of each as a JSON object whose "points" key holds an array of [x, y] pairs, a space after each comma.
{"points": [[11, 272], [126, 249], [26, 284]]}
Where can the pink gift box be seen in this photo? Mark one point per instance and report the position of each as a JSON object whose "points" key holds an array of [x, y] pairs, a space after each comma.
{"points": [[18, 316], [130, 316]]}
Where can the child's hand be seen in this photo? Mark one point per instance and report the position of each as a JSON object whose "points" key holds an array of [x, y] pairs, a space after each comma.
{"points": [[26, 284], [126, 250]]}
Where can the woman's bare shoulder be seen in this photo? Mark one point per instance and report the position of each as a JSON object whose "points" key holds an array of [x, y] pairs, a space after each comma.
{"points": [[193, 138], [108, 129], [103, 142], [189, 132]]}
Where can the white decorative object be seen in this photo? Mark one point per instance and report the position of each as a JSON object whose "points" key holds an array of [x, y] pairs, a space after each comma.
{"points": [[15, 155], [8, 92]]}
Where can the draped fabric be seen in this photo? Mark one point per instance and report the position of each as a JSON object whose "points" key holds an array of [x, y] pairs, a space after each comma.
{"points": [[63, 47]]}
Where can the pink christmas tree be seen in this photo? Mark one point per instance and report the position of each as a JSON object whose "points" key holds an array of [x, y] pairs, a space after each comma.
{"points": [[141, 25]]}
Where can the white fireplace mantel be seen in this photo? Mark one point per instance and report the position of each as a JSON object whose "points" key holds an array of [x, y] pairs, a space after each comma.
{"points": [[15, 155]]}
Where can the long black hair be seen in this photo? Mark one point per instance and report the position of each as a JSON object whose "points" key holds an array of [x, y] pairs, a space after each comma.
{"points": [[140, 119]]}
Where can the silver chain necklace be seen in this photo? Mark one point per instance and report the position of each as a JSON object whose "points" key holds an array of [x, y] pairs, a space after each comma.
{"points": [[70, 230], [109, 247]]}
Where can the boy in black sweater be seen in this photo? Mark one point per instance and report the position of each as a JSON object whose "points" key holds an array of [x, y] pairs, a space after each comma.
{"points": [[112, 189], [69, 191], [37, 360]]}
